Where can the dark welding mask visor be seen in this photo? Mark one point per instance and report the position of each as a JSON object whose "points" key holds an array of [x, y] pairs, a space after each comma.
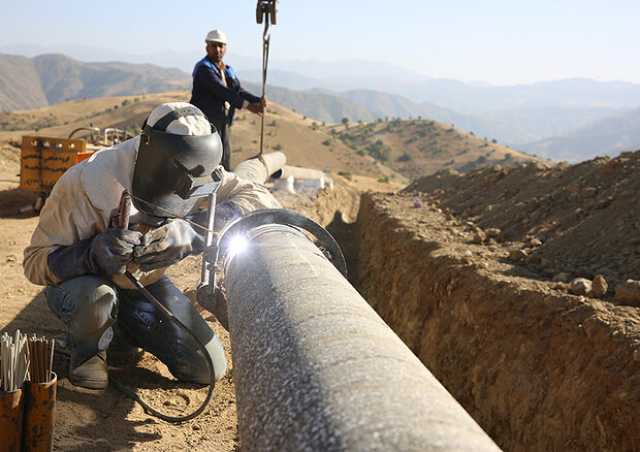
{"points": [[172, 171]]}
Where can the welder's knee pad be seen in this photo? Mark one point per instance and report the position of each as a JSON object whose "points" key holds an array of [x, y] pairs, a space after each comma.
{"points": [[165, 339], [190, 365], [180, 353]]}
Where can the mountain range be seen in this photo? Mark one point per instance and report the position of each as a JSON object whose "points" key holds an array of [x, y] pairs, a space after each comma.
{"points": [[608, 136], [48, 79], [540, 118]]}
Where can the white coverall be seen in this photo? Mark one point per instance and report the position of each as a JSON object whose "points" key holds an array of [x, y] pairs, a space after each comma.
{"points": [[87, 196]]}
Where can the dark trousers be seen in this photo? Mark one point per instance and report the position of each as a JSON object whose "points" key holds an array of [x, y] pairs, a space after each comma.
{"points": [[225, 132]]}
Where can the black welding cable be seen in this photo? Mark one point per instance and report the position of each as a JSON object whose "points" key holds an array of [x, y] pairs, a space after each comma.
{"points": [[170, 316]]}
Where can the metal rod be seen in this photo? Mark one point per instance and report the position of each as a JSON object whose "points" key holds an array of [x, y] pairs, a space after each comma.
{"points": [[14, 361], [316, 369], [207, 271], [266, 41]]}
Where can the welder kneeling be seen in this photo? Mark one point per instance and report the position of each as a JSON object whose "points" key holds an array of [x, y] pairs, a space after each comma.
{"points": [[81, 252]]}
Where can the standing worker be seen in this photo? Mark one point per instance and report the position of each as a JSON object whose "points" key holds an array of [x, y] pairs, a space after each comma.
{"points": [[81, 254], [217, 91]]}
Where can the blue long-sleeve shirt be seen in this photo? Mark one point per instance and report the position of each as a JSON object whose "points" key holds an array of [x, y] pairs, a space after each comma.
{"points": [[209, 92]]}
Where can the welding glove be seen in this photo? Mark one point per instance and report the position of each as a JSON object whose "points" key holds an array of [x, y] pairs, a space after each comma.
{"points": [[107, 253], [168, 244]]}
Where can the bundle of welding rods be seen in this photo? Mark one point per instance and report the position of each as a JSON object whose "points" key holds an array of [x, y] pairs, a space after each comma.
{"points": [[22, 358]]}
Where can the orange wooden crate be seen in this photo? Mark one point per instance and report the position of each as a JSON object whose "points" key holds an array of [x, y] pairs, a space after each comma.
{"points": [[44, 159]]}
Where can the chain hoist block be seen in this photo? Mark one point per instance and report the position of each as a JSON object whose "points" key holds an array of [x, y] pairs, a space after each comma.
{"points": [[267, 9]]}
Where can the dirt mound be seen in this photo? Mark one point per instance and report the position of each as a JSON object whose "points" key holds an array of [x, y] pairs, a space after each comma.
{"points": [[585, 215], [537, 368]]}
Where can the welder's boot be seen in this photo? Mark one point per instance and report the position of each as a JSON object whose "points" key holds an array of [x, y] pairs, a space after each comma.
{"points": [[90, 374]]}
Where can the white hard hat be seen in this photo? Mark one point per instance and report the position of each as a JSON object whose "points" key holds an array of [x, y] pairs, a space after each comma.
{"points": [[191, 120], [216, 36]]}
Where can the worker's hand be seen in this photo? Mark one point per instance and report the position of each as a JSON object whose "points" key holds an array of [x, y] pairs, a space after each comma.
{"points": [[263, 102], [256, 108], [168, 244], [112, 250]]}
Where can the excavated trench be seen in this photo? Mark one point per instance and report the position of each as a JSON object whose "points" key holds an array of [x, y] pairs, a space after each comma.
{"points": [[537, 368]]}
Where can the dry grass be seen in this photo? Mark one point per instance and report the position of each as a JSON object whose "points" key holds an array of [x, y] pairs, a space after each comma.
{"points": [[421, 147]]}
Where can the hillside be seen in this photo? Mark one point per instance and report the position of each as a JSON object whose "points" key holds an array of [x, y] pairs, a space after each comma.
{"points": [[319, 105], [513, 126], [48, 79], [421, 147], [27, 83], [20, 85], [303, 142], [609, 136]]}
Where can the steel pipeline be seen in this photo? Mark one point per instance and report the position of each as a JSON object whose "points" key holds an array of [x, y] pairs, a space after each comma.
{"points": [[316, 369]]}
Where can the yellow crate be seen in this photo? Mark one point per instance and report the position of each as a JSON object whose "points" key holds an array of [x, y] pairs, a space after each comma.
{"points": [[44, 159]]}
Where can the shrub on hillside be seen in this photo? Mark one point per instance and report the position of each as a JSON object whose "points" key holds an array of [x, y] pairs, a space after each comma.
{"points": [[378, 151], [404, 157]]}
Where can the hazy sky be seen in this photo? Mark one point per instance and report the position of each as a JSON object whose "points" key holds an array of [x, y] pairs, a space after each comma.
{"points": [[500, 42]]}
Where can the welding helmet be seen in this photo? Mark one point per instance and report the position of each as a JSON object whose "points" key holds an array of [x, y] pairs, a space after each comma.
{"points": [[178, 155]]}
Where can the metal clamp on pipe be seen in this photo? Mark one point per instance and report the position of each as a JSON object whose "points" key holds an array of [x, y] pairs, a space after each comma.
{"points": [[235, 237]]}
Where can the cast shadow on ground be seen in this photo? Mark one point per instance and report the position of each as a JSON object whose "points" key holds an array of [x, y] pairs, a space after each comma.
{"points": [[346, 235], [14, 200], [94, 420], [520, 271]]}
